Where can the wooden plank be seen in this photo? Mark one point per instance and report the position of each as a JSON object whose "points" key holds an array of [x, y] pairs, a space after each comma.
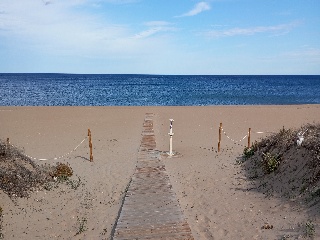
{"points": [[150, 209]]}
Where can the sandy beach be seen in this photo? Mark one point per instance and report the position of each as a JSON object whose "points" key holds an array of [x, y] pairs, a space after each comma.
{"points": [[212, 189]]}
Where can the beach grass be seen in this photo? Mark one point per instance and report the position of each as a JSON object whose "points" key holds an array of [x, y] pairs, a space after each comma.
{"points": [[281, 167]]}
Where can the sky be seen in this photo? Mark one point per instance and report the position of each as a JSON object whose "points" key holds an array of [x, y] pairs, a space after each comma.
{"points": [[214, 37]]}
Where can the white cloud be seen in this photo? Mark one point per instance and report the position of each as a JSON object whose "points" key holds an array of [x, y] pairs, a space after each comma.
{"points": [[306, 52], [75, 36], [198, 8], [277, 29], [59, 28], [155, 27]]}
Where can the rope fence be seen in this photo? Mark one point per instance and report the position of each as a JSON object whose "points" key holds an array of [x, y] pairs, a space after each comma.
{"points": [[56, 158], [300, 137], [238, 142], [233, 139], [64, 155], [221, 130]]}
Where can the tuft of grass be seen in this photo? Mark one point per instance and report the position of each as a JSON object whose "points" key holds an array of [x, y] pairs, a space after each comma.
{"points": [[271, 162], [74, 184], [310, 229], [303, 189], [248, 152], [82, 225]]}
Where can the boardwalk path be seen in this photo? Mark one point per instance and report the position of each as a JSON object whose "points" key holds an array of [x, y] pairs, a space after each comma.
{"points": [[150, 209]]}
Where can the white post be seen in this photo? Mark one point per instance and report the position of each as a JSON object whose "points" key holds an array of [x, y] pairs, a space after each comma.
{"points": [[170, 134]]}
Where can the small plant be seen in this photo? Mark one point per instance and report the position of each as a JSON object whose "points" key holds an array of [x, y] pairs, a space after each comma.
{"points": [[303, 189], [82, 225], [48, 186], [248, 152], [283, 131], [62, 171], [310, 229], [271, 162], [74, 184]]}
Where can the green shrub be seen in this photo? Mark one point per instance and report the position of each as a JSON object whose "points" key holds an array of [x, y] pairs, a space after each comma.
{"points": [[248, 152], [82, 225], [310, 229], [74, 184], [271, 162]]}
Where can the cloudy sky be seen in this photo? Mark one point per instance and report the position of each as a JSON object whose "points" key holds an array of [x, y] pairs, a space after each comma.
{"points": [[160, 36]]}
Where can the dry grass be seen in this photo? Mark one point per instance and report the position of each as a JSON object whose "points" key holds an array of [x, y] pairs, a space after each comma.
{"points": [[279, 167], [19, 175]]}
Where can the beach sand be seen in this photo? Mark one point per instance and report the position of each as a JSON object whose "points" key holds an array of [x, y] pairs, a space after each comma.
{"points": [[212, 189]]}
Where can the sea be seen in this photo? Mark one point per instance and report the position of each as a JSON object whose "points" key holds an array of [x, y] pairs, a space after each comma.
{"points": [[39, 89]]}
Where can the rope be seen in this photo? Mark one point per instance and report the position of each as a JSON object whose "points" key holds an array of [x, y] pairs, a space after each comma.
{"points": [[56, 158], [263, 132], [299, 134], [233, 139]]}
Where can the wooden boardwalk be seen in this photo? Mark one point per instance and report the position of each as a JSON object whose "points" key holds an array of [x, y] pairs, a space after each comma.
{"points": [[150, 209]]}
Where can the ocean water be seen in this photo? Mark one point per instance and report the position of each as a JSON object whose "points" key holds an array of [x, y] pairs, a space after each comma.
{"points": [[156, 90]]}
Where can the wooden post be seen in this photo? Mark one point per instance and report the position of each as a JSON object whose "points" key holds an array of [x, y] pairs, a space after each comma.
{"points": [[90, 145], [249, 137], [219, 143]]}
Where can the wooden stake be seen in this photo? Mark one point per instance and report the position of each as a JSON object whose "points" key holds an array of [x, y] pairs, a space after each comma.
{"points": [[219, 143], [90, 145], [249, 137]]}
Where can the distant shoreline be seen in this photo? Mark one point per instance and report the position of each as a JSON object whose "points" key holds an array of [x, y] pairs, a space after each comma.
{"points": [[156, 106]]}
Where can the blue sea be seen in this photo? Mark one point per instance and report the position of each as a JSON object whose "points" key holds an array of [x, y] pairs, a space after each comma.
{"points": [[155, 90]]}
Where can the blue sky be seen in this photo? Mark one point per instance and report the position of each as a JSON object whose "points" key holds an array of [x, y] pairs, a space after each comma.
{"points": [[160, 36]]}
